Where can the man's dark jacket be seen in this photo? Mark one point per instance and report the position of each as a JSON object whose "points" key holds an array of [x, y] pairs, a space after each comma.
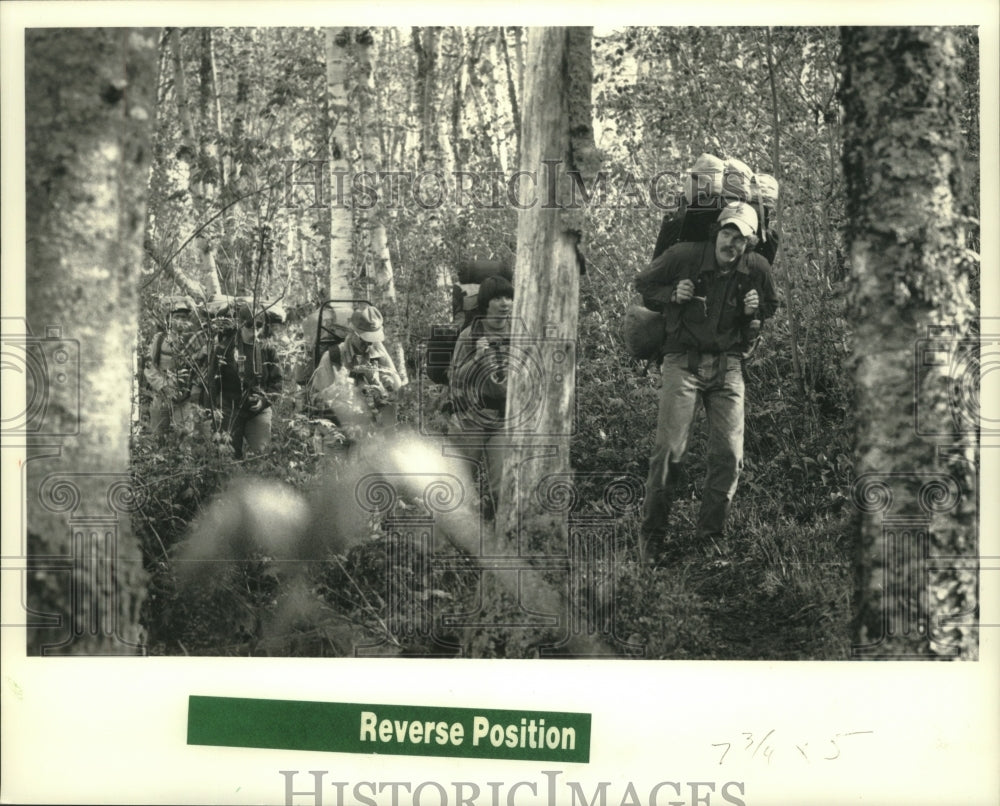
{"points": [[713, 321]]}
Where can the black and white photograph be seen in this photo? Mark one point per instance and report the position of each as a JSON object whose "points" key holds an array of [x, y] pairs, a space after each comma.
{"points": [[590, 371]]}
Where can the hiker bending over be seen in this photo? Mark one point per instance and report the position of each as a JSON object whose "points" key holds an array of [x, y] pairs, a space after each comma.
{"points": [[355, 382], [713, 296], [479, 379]]}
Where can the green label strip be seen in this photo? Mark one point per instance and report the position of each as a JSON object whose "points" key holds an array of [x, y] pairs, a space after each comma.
{"points": [[402, 730]]}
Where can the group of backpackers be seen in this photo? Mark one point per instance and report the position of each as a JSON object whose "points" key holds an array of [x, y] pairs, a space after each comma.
{"points": [[214, 359], [705, 294], [349, 380]]}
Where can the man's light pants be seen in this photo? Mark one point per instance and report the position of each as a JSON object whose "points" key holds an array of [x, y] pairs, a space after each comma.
{"points": [[718, 383]]}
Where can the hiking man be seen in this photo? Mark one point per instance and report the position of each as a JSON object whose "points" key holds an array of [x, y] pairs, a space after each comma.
{"points": [[713, 296], [354, 383], [246, 381], [172, 371], [478, 376]]}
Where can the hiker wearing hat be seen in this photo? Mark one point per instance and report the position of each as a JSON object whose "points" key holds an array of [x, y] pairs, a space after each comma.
{"points": [[478, 376], [246, 381], [713, 296], [174, 368], [354, 382]]}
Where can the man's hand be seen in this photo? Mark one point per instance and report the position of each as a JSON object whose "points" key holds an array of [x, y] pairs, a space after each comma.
{"points": [[683, 292], [751, 302], [482, 346]]}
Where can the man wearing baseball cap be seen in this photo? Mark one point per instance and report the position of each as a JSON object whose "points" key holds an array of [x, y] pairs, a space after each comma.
{"points": [[713, 296]]}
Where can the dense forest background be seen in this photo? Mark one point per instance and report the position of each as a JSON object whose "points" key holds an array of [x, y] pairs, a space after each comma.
{"points": [[253, 129]]}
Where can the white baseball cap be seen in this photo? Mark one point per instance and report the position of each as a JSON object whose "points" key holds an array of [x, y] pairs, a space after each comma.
{"points": [[741, 215]]}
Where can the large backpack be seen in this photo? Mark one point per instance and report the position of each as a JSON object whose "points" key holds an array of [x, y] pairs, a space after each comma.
{"points": [[464, 306], [691, 223], [710, 185], [322, 329]]}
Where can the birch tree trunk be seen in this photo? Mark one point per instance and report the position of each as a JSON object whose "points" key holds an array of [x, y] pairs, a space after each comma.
{"points": [[498, 122], [484, 132], [519, 56], [210, 166], [191, 153], [161, 254], [455, 138], [341, 218], [427, 46], [435, 153], [212, 129], [92, 95], [916, 361], [371, 160]]}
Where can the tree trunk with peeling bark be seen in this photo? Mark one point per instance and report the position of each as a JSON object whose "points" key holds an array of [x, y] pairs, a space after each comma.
{"points": [[915, 362], [92, 97], [427, 47], [435, 153], [497, 120], [542, 367], [549, 260], [512, 91]]}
